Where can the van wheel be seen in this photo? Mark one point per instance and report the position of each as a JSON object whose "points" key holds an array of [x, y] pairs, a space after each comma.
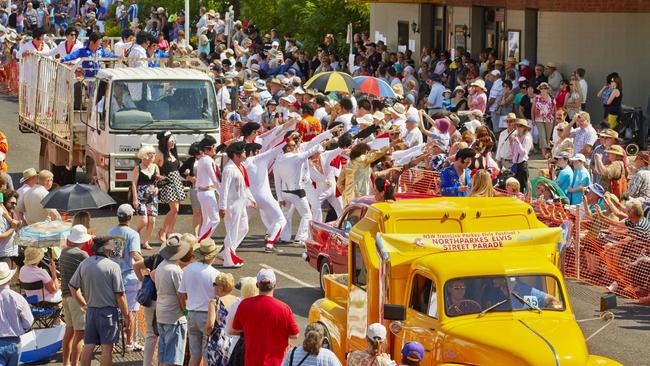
{"points": [[632, 149], [325, 269]]}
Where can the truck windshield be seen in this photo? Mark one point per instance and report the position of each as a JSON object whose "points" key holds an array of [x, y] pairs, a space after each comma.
{"points": [[152, 104], [472, 295]]}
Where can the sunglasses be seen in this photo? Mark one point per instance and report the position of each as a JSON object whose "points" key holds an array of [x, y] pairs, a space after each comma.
{"points": [[458, 287]]}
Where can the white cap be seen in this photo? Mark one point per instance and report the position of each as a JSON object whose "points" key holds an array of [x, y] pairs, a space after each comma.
{"points": [[275, 44], [376, 331], [524, 62], [294, 115], [125, 210], [477, 112], [579, 157], [495, 73], [289, 98], [267, 275], [522, 79]]}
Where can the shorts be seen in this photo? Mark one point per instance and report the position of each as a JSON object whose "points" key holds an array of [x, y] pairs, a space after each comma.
{"points": [[194, 199], [196, 321], [102, 325], [171, 343], [131, 287], [9, 351], [74, 315]]}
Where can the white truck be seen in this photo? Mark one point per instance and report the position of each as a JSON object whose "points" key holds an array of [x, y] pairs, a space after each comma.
{"points": [[79, 129]]}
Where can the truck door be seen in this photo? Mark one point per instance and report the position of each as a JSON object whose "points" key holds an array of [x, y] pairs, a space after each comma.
{"points": [[357, 316], [422, 319], [97, 135]]}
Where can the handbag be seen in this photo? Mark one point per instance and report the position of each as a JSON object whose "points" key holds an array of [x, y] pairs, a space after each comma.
{"points": [[146, 293]]}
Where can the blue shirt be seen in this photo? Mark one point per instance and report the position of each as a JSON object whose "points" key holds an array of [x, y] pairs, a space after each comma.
{"points": [[90, 67], [450, 182], [580, 177], [565, 178], [131, 244], [132, 12], [435, 100], [158, 54]]}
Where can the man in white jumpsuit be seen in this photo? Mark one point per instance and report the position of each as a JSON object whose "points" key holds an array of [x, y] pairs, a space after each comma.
{"points": [[207, 184], [291, 174], [257, 165], [235, 197], [323, 176]]}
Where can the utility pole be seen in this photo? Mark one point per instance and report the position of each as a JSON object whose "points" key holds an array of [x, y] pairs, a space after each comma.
{"points": [[187, 23]]}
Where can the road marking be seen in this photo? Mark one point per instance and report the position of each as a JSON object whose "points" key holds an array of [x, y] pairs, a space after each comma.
{"points": [[287, 276]]}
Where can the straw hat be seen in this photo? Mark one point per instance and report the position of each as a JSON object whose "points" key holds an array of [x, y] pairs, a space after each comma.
{"points": [[379, 115], [366, 119], [479, 83], [28, 174], [249, 86], [608, 133], [6, 273], [616, 150], [398, 109], [511, 117], [398, 89], [522, 122], [207, 250], [543, 85], [550, 65], [33, 255]]}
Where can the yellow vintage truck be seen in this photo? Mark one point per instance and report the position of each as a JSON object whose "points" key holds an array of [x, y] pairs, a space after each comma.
{"points": [[475, 280]]}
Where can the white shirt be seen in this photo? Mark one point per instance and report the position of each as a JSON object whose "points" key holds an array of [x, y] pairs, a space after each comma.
{"points": [[233, 187], [197, 282], [584, 87], [346, 119], [223, 98], [412, 137], [61, 50], [320, 113], [503, 147], [255, 114], [138, 52], [258, 170], [29, 46], [495, 93], [120, 48], [206, 173]]}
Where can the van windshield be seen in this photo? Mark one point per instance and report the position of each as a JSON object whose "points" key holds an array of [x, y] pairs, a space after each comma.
{"points": [[156, 104], [472, 295]]}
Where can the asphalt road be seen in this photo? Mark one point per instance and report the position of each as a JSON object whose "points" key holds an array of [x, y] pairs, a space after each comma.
{"points": [[626, 339]]}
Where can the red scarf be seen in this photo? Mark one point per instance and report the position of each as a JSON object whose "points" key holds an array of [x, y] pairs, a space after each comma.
{"points": [[244, 172], [68, 50], [216, 171], [37, 48]]}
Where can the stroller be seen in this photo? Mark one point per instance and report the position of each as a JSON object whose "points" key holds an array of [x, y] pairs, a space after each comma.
{"points": [[632, 129]]}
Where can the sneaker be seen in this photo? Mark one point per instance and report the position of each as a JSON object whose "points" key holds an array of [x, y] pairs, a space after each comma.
{"points": [[298, 244], [272, 249], [234, 265], [135, 347]]}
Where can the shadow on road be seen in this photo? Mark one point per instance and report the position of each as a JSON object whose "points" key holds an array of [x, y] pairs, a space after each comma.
{"points": [[299, 298]]}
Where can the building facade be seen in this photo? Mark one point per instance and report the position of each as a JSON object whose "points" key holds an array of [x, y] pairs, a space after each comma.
{"points": [[601, 36]]}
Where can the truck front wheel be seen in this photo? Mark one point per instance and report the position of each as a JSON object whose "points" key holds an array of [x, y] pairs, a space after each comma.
{"points": [[324, 269]]}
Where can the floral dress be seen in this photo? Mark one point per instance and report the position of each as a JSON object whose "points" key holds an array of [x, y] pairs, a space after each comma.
{"points": [[218, 347]]}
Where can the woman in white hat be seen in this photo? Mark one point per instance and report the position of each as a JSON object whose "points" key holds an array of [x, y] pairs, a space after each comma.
{"points": [[374, 355], [477, 98], [31, 272]]}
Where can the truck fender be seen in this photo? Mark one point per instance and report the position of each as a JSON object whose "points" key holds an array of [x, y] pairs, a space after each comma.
{"points": [[594, 360]]}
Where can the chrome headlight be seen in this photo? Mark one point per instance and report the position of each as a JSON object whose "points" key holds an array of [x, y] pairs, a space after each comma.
{"points": [[124, 163]]}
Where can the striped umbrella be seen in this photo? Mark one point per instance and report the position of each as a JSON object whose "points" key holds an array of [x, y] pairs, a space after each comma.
{"points": [[331, 81], [374, 86]]}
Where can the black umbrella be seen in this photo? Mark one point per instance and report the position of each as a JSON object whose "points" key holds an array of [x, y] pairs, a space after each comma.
{"points": [[74, 197]]}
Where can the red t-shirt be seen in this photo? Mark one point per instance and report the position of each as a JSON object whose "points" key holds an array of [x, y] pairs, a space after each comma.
{"points": [[267, 324]]}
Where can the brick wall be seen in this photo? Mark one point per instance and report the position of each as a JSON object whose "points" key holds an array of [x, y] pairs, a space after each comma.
{"points": [[603, 6]]}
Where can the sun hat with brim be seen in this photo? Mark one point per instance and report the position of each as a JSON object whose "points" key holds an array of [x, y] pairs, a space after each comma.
{"points": [[479, 84], [442, 124], [608, 133], [511, 117], [207, 249], [550, 65], [643, 156], [398, 89], [616, 150], [366, 119], [379, 115], [597, 189], [398, 109], [522, 122], [562, 155], [476, 113], [79, 235], [174, 248], [28, 174], [6, 273], [459, 88], [579, 157], [543, 86], [33, 255], [562, 126], [249, 86]]}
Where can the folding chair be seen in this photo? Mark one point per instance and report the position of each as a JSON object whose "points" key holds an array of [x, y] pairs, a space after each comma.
{"points": [[45, 313]]}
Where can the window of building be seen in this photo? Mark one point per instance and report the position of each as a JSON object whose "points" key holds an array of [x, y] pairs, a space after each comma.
{"points": [[402, 33]]}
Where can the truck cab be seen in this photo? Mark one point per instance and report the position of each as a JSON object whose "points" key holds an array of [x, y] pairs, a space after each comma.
{"points": [[99, 123], [476, 281]]}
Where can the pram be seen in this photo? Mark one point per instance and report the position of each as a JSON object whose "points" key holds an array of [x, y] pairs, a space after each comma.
{"points": [[632, 129]]}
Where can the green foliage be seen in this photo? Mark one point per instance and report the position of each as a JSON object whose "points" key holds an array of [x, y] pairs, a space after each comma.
{"points": [[308, 20]]}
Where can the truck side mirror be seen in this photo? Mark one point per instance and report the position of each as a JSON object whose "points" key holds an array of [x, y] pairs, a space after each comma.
{"points": [[394, 312]]}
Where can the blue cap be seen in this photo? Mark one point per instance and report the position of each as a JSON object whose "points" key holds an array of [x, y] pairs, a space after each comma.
{"points": [[597, 189], [413, 351], [410, 98]]}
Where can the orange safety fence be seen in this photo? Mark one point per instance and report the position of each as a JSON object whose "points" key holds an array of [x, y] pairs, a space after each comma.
{"points": [[600, 250], [9, 78], [229, 130]]}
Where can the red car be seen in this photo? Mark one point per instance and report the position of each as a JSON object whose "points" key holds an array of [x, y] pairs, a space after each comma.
{"points": [[327, 246]]}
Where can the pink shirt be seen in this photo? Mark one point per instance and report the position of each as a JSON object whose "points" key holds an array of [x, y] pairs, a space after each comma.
{"points": [[32, 274], [545, 109], [478, 101]]}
